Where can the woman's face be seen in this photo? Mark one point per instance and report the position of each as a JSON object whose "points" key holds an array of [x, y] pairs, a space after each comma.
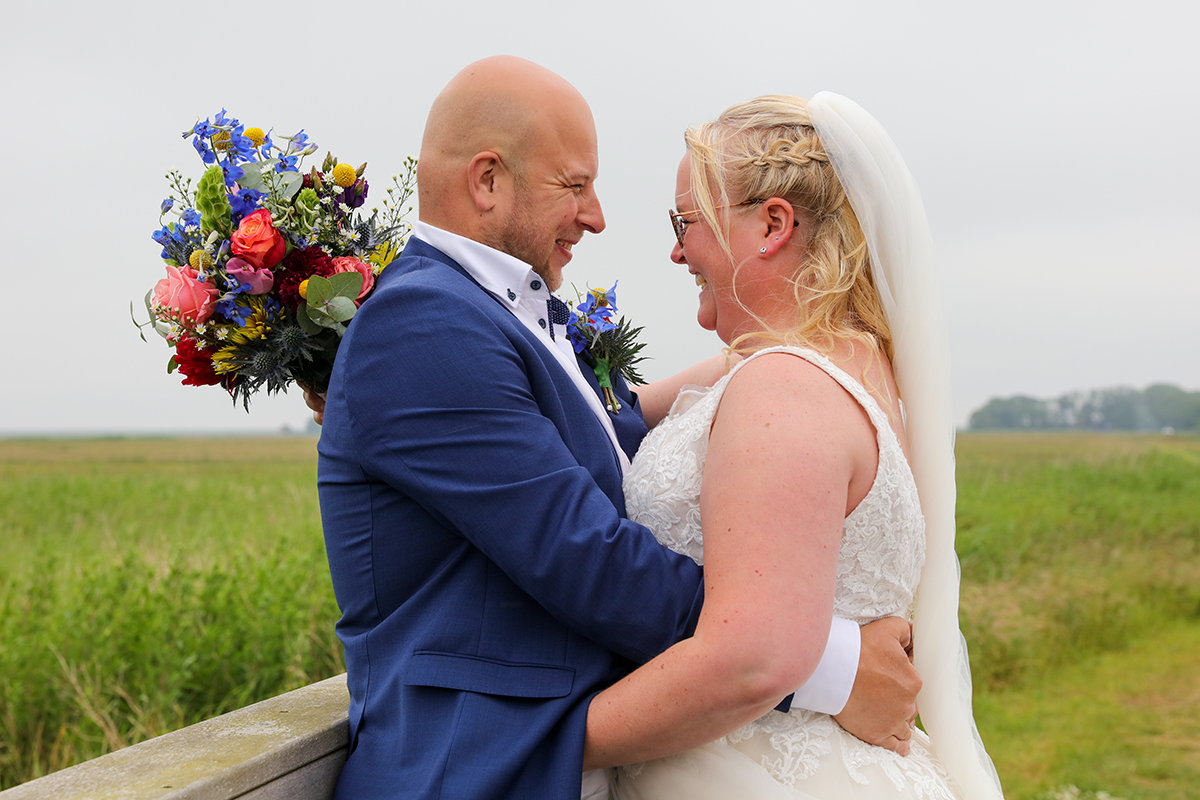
{"points": [[719, 310]]}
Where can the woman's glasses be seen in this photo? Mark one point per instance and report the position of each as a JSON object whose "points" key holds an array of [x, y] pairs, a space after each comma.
{"points": [[680, 224]]}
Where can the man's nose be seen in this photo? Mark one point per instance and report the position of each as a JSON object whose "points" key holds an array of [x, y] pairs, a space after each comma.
{"points": [[591, 216]]}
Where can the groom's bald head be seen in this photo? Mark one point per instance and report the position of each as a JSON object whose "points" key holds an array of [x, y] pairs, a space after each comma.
{"points": [[508, 108]]}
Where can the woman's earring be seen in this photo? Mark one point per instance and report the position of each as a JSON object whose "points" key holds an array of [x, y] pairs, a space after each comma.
{"points": [[762, 250]]}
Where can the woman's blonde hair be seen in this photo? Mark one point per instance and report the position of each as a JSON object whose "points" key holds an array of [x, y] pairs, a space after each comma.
{"points": [[766, 148]]}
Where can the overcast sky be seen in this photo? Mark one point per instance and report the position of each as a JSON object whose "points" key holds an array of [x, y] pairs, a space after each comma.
{"points": [[1056, 145]]}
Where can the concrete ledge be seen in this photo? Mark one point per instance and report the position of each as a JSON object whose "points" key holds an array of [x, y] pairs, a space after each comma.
{"points": [[290, 747]]}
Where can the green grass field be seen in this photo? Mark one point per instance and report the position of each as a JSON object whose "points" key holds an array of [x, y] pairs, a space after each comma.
{"points": [[148, 584]]}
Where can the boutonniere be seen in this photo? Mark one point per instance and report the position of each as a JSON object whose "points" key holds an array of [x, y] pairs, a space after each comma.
{"points": [[609, 348]]}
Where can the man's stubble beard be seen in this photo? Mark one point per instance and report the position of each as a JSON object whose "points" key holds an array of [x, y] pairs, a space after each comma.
{"points": [[518, 238]]}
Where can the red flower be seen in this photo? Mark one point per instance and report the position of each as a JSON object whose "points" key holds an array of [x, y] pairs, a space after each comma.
{"points": [[195, 363], [297, 267]]}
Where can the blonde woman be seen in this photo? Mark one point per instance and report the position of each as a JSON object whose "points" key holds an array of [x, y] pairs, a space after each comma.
{"points": [[801, 481]]}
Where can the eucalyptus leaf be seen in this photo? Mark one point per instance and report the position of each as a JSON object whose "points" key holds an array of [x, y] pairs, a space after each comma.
{"points": [[305, 321], [318, 316], [319, 291], [347, 284], [325, 321], [252, 174], [341, 308], [289, 183]]}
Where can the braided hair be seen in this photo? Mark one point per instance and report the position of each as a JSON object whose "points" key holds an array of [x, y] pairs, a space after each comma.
{"points": [[766, 148]]}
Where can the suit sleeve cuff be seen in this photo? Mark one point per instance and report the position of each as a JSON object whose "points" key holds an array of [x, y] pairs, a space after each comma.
{"points": [[828, 689]]}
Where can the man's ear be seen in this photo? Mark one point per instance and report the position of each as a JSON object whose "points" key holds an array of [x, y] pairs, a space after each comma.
{"points": [[487, 179]]}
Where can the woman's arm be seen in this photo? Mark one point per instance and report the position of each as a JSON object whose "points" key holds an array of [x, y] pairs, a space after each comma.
{"points": [[785, 464], [656, 397]]}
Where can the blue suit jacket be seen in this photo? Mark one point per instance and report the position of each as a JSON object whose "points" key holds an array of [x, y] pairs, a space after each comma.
{"points": [[488, 584]]}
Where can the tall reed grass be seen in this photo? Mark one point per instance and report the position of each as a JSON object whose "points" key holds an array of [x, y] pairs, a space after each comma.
{"points": [[146, 585], [149, 584]]}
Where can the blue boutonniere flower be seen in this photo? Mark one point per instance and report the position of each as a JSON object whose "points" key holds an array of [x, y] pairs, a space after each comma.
{"points": [[609, 348]]}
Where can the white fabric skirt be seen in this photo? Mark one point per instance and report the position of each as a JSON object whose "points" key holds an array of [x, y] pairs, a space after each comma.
{"points": [[796, 756]]}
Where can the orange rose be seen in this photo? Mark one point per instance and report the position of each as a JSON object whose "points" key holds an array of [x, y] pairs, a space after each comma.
{"points": [[257, 241]]}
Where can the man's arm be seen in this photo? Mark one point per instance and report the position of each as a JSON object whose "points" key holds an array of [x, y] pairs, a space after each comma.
{"points": [[657, 397]]}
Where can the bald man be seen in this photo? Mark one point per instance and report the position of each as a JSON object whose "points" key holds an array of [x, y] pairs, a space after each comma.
{"points": [[470, 478]]}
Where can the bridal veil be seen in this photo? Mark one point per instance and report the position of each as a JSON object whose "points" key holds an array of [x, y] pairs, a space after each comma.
{"points": [[888, 205]]}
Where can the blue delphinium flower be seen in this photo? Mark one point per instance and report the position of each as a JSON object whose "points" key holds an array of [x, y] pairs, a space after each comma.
{"points": [[241, 147], [243, 202], [233, 173], [574, 335], [233, 312], [206, 153], [167, 205], [177, 239]]}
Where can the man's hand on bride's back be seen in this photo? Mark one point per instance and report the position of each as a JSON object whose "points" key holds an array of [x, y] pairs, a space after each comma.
{"points": [[883, 704]]}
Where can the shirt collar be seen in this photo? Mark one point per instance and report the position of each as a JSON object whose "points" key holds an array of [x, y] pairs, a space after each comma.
{"points": [[508, 278]]}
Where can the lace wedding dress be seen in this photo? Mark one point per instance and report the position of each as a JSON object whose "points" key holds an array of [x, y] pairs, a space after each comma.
{"points": [[800, 754]]}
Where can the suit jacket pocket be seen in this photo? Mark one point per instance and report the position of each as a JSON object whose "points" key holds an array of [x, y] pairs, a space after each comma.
{"points": [[488, 675]]}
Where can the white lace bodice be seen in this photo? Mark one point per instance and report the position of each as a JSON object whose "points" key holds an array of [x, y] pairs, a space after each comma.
{"points": [[879, 564], [883, 540]]}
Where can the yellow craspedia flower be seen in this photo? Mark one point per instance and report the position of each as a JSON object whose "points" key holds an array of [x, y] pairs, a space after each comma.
{"points": [[200, 260], [220, 140], [255, 135], [344, 175], [303, 289]]}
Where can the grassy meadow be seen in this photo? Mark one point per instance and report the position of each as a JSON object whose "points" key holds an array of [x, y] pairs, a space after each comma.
{"points": [[148, 584]]}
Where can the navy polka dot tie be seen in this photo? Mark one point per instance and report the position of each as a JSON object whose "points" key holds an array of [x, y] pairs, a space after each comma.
{"points": [[558, 313]]}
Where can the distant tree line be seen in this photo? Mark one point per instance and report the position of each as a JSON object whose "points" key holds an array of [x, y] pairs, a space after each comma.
{"points": [[1121, 409]]}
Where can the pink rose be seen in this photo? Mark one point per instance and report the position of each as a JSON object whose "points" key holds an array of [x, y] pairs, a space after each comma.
{"points": [[257, 241], [186, 298], [351, 264], [260, 280]]}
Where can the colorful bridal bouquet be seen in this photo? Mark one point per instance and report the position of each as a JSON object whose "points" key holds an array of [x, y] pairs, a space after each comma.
{"points": [[609, 348], [267, 264]]}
